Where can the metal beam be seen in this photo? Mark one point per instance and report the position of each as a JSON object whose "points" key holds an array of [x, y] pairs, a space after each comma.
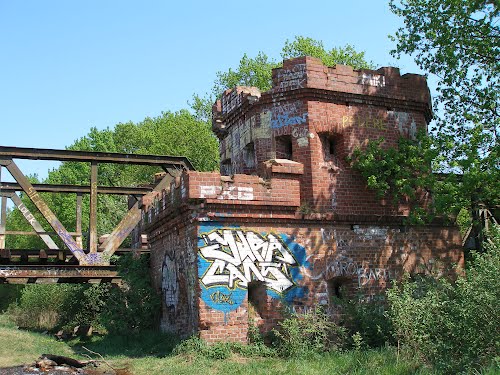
{"points": [[25, 233], [33, 222], [57, 271], [87, 156], [12, 187], [78, 213], [129, 222], [44, 209], [93, 208], [3, 217]]}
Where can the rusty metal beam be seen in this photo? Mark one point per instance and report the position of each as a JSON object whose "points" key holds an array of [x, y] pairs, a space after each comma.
{"points": [[11, 187], [3, 217], [53, 252], [93, 208], [33, 222], [78, 213], [44, 209], [64, 273], [129, 222], [100, 157], [26, 233]]}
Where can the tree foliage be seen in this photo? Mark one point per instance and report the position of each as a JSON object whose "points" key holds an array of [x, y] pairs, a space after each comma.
{"points": [[452, 325], [168, 134], [458, 42], [257, 71]]}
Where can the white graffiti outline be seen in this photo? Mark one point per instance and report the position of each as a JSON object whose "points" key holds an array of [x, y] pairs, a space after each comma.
{"points": [[238, 257]]}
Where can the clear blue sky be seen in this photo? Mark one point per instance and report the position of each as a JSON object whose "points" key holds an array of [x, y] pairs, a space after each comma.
{"points": [[66, 66]]}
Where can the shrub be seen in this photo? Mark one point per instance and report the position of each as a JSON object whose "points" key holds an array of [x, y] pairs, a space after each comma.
{"points": [[453, 326], [368, 321], [132, 307], [135, 305], [49, 307], [310, 333]]}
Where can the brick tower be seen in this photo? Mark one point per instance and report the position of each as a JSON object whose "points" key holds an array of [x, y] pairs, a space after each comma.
{"points": [[287, 220]]}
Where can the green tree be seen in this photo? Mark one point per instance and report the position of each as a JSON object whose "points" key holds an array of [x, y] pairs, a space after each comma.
{"points": [[452, 325], [257, 71], [458, 42], [168, 134]]}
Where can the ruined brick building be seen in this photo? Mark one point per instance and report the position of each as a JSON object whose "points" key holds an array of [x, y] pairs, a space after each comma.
{"points": [[286, 220]]}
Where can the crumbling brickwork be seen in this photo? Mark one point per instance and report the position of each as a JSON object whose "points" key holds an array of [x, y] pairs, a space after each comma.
{"points": [[286, 220]]}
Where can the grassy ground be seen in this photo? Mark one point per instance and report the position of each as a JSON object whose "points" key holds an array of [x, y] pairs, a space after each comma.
{"points": [[152, 354]]}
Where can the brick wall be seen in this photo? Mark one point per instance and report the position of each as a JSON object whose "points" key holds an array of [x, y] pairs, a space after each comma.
{"points": [[286, 219], [318, 115]]}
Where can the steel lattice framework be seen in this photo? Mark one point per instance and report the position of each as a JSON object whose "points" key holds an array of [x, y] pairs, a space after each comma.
{"points": [[92, 262]]}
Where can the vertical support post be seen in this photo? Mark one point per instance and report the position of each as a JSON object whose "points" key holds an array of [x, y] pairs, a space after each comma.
{"points": [[3, 217], [43, 208], [78, 237], [93, 208]]}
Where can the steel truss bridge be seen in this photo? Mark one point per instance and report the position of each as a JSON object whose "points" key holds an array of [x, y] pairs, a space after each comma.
{"points": [[74, 262]]}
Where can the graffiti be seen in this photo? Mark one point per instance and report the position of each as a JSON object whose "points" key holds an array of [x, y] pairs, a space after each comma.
{"points": [[27, 214], [402, 119], [292, 79], [231, 101], [183, 189], [239, 257], [300, 132], [170, 283], [286, 120], [229, 259], [334, 199], [349, 268], [371, 233], [41, 205], [302, 135], [219, 297], [66, 237], [227, 192], [368, 276], [363, 122], [372, 80]]}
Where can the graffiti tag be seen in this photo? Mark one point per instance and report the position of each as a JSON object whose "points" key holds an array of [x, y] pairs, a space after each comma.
{"points": [[238, 257]]}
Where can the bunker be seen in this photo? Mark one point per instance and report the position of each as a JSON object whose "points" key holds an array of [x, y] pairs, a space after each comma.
{"points": [[286, 220]]}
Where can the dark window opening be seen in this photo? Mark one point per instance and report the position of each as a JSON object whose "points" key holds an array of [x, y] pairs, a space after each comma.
{"points": [[330, 145], [257, 297], [249, 155], [226, 168], [335, 288], [284, 147]]}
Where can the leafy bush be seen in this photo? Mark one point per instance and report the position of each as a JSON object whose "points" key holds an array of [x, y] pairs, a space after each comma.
{"points": [[195, 346], [301, 335], [135, 305], [368, 321], [50, 307], [453, 326], [132, 307], [9, 293]]}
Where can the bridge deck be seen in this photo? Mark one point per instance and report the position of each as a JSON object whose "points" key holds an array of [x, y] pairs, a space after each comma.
{"points": [[26, 266], [44, 274]]}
